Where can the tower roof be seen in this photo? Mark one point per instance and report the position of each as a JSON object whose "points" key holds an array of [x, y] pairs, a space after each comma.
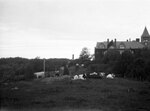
{"points": [[145, 33]]}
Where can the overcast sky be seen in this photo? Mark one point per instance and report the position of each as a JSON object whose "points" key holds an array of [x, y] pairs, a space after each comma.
{"points": [[60, 28]]}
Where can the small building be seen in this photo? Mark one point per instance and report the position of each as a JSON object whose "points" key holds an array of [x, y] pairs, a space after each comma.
{"points": [[102, 47], [39, 74]]}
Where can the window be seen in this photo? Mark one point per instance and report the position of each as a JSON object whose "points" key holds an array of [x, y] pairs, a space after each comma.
{"points": [[145, 43], [111, 47], [101, 46], [122, 46]]}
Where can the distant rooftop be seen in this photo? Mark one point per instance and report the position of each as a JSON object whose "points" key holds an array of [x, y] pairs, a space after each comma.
{"points": [[128, 45]]}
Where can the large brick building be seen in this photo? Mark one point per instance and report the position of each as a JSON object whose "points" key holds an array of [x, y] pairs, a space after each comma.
{"points": [[102, 47]]}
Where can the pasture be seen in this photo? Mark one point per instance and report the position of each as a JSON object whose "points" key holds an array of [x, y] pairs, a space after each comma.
{"points": [[61, 94]]}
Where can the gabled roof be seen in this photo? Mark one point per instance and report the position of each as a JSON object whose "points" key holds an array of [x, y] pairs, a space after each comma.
{"points": [[145, 33], [128, 45], [133, 45]]}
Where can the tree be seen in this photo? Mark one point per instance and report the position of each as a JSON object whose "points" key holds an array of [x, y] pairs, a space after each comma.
{"points": [[123, 65], [66, 70], [139, 65], [85, 54], [85, 57], [111, 56]]}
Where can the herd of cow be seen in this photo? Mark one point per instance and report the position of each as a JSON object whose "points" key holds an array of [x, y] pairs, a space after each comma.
{"points": [[94, 75], [82, 76]]}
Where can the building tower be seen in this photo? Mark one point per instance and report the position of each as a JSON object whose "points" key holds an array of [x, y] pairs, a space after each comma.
{"points": [[145, 38]]}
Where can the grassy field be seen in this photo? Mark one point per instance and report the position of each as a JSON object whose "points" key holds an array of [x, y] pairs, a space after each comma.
{"points": [[64, 94]]}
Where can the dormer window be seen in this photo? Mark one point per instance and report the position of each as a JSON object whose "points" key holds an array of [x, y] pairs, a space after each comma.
{"points": [[111, 47], [102, 46], [122, 46]]}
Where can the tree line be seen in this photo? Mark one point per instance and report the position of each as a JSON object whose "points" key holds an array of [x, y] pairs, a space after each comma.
{"points": [[15, 69], [129, 64], [133, 64]]}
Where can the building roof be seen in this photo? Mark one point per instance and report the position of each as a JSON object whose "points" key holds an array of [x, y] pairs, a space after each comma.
{"points": [[145, 33], [127, 44]]}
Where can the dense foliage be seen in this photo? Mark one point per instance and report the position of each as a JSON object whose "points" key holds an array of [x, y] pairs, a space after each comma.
{"points": [[135, 65], [14, 69], [131, 64]]}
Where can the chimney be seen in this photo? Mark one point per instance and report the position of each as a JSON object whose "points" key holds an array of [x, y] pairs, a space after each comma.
{"points": [[130, 39], [72, 56], [115, 42], [107, 41], [137, 40]]}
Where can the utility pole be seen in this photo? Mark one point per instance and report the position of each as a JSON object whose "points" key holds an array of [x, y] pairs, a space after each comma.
{"points": [[44, 66]]}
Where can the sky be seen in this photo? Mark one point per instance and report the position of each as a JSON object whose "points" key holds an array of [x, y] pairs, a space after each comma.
{"points": [[60, 28]]}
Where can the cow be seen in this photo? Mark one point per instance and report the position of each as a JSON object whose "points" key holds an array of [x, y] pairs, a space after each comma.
{"points": [[102, 74], [80, 76], [110, 76]]}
